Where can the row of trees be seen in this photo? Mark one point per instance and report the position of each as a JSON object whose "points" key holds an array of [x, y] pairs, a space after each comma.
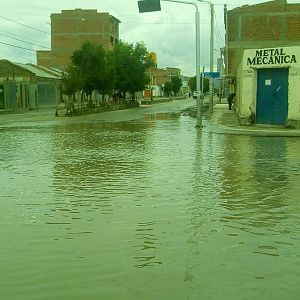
{"points": [[205, 82], [95, 69], [173, 86]]}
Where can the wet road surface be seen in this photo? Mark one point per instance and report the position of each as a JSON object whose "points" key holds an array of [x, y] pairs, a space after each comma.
{"points": [[146, 208]]}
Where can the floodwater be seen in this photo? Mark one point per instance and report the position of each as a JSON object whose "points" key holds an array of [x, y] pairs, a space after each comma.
{"points": [[148, 209]]}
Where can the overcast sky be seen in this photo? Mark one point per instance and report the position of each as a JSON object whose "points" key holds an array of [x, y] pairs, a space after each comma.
{"points": [[170, 32]]}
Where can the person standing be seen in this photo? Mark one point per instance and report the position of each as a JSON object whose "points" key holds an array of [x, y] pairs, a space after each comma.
{"points": [[230, 100]]}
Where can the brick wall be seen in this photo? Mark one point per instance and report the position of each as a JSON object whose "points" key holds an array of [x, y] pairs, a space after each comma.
{"points": [[44, 58], [9, 70], [269, 24], [71, 28]]}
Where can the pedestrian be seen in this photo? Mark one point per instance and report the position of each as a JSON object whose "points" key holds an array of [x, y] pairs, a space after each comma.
{"points": [[230, 100]]}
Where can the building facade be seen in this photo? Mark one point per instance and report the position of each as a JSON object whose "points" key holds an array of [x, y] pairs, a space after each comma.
{"points": [[267, 86], [71, 28], [158, 78], [265, 25], [263, 47], [26, 87]]}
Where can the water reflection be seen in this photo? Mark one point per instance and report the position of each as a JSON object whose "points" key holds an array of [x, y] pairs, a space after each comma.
{"points": [[256, 181], [91, 165], [147, 244], [162, 116], [149, 209]]}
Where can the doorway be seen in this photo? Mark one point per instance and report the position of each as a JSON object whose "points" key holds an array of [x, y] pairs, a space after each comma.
{"points": [[272, 96]]}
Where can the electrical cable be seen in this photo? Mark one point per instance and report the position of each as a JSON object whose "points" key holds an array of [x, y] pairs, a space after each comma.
{"points": [[24, 41], [10, 34], [17, 46], [24, 25]]}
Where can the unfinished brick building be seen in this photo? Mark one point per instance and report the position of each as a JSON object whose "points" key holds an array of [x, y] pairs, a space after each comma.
{"points": [[263, 46], [265, 25], [71, 28]]}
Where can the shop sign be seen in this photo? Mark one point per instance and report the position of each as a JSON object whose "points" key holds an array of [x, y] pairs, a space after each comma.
{"points": [[271, 57]]}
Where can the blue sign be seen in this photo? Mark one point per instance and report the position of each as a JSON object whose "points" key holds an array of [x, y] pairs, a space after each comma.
{"points": [[211, 74]]}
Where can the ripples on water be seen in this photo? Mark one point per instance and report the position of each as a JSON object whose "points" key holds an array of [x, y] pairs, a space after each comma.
{"points": [[148, 210]]}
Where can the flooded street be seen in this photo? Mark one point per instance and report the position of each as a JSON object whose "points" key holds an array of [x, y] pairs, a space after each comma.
{"points": [[147, 209]]}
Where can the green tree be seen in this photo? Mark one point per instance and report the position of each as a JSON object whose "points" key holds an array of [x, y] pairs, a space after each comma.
{"points": [[72, 81], [192, 84], [168, 88], [91, 63], [131, 63], [176, 84]]}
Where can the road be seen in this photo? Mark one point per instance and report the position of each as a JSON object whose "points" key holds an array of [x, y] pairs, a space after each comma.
{"points": [[47, 116]]}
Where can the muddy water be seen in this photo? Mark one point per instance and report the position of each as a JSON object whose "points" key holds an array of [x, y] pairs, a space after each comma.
{"points": [[150, 209]]}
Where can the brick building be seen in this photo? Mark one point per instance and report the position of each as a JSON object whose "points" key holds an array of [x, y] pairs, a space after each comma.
{"points": [[158, 78], [265, 25], [71, 28], [263, 46]]}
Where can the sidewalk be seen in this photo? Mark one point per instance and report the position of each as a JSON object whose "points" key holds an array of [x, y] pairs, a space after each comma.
{"points": [[226, 121]]}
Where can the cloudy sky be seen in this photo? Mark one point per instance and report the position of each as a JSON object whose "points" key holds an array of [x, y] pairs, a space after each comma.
{"points": [[170, 32]]}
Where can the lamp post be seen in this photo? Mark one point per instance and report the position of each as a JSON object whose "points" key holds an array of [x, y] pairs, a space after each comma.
{"points": [[211, 51], [154, 5]]}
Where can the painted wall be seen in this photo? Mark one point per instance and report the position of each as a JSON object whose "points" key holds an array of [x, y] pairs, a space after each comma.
{"points": [[254, 59]]}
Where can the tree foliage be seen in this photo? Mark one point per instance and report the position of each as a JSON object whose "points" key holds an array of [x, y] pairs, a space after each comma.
{"points": [[192, 84], [90, 60], [131, 64], [168, 88], [176, 84], [94, 68], [72, 82]]}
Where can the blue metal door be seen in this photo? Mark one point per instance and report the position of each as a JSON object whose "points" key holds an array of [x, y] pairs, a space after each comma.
{"points": [[272, 96]]}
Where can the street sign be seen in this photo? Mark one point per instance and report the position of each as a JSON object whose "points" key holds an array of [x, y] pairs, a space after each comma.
{"points": [[211, 74], [149, 5]]}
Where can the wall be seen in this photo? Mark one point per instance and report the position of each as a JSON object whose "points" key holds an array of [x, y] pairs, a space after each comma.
{"points": [[269, 24], [247, 78], [71, 28]]}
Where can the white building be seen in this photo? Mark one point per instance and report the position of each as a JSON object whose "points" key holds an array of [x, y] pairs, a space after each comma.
{"points": [[268, 86]]}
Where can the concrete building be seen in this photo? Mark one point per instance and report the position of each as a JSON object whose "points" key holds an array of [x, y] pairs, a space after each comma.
{"points": [[265, 25], [26, 86], [263, 46], [71, 28], [267, 86]]}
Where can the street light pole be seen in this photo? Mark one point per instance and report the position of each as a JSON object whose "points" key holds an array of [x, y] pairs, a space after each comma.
{"points": [[211, 51], [197, 24]]}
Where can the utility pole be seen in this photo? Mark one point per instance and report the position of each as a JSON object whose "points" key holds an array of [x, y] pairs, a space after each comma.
{"points": [[212, 25], [154, 5], [211, 52], [202, 81]]}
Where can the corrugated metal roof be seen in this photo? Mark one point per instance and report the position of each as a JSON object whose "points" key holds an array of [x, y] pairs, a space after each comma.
{"points": [[38, 72], [51, 71]]}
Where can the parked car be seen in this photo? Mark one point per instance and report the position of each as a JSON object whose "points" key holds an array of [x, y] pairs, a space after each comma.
{"points": [[195, 94]]}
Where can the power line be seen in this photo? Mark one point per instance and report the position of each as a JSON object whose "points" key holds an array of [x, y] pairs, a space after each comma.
{"points": [[24, 25], [23, 41], [21, 36], [17, 46], [219, 36], [165, 23]]}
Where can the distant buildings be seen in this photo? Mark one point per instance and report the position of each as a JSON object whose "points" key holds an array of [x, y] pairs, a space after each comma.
{"points": [[71, 28], [263, 62], [158, 78]]}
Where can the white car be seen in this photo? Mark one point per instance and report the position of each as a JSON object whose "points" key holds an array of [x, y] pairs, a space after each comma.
{"points": [[195, 94]]}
